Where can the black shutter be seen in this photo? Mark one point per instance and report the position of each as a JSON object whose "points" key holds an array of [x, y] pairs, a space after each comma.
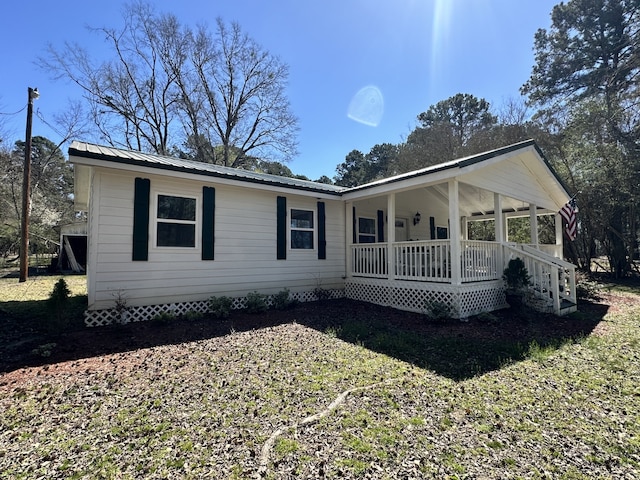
{"points": [[141, 219], [355, 226], [432, 227], [322, 233], [281, 228], [208, 222], [380, 226]]}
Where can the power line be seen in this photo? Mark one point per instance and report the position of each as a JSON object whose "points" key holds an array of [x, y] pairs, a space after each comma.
{"points": [[14, 113], [41, 117]]}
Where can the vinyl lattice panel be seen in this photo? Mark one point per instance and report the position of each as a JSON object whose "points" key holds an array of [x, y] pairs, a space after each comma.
{"points": [[369, 292], [464, 300], [481, 299], [417, 300], [97, 318]]}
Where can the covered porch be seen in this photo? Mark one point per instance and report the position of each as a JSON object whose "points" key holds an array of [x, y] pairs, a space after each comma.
{"points": [[409, 240]]}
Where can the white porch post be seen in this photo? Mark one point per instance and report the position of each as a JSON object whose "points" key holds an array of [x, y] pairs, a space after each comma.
{"points": [[454, 231], [500, 227], [499, 218], [533, 221], [349, 239], [391, 235], [465, 228], [559, 236]]}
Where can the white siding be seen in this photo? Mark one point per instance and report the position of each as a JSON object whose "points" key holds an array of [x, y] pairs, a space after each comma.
{"points": [[245, 246]]}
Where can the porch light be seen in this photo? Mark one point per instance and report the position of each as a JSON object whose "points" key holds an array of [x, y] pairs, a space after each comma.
{"points": [[416, 218]]}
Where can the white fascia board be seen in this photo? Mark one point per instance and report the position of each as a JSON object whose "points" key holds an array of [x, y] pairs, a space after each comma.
{"points": [[421, 181]]}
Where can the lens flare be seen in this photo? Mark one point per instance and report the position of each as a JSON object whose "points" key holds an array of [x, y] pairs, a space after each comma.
{"points": [[367, 106]]}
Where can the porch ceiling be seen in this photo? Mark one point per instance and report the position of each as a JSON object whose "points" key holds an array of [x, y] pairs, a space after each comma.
{"points": [[473, 200]]}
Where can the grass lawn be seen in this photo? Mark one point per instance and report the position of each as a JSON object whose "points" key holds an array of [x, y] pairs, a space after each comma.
{"points": [[242, 405]]}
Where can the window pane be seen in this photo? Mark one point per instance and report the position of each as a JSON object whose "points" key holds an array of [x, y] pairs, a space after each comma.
{"points": [[366, 239], [367, 225], [301, 239], [176, 235], [176, 208], [301, 219]]}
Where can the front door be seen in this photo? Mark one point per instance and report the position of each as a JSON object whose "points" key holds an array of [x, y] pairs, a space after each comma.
{"points": [[401, 230]]}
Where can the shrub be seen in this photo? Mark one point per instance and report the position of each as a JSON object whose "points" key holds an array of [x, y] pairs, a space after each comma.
{"points": [[192, 316], [120, 308], [516, 275], [58, 305], [440, 311], [322, 293], [44, 350], [163, 318], [256, 302], [282, 300], [586, 288], [220, 306]]}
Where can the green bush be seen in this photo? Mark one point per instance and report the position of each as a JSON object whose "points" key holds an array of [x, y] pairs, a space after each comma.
{"points": [[322, 293], [44, 350], [440, 311], [586, 288], [516, 275], [220, 306], [256, 302], [58, 306], [282, 300], [164, 318], [192, 316]]}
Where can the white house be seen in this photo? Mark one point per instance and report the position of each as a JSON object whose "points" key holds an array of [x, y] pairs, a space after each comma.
{"points": [[168, 234]]}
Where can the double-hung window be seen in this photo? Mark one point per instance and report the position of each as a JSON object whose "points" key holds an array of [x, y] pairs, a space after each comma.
{"points": [[301, 229], [175, 221], [366, 230]]}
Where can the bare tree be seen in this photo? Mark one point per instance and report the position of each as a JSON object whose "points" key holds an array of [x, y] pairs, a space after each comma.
{"points": [[222, 88], [244, 107], [131, 97]]}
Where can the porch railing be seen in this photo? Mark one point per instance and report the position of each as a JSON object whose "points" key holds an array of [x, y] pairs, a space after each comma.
{"points": [[423, 260], [552, 279], [480, 261], [428, 260], [369, 260]]}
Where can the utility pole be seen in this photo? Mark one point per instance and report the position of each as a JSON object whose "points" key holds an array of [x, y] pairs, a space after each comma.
{"points": [[26, 187]]}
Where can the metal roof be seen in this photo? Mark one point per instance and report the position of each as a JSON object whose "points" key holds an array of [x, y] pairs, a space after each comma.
{"points": [[129, 157]]}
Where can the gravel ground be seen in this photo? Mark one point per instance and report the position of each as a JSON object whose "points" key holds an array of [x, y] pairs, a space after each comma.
{"points": [[283, 395]]}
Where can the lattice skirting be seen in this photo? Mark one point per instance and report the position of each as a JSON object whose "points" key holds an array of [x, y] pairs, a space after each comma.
{"points": [[97, 318], [465, 300]]}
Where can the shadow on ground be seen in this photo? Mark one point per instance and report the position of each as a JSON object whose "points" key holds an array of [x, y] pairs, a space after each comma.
{"points": [[454, 349]]}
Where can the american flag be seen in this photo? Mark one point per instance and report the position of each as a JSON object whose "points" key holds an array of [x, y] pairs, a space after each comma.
{"points": [[568, 213]]}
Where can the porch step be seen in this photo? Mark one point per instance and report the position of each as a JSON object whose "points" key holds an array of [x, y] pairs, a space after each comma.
{"points": [[567, 307]]}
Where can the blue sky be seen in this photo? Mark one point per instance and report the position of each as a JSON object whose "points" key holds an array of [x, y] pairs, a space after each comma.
{"points": [[406, 54]]}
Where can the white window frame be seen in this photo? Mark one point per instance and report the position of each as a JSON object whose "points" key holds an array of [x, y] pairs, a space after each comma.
{"points": [[155, 220], [442, 227], [314, 229], [375, 229]]}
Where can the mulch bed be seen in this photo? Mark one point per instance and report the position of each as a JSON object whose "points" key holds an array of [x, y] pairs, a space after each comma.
{"points": [[20, 338]]}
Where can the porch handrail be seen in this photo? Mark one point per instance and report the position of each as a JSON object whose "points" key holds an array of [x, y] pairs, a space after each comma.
{"points": [[369, 260], [423, 260], [551, 278], [480, 261], [546, 256]]}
